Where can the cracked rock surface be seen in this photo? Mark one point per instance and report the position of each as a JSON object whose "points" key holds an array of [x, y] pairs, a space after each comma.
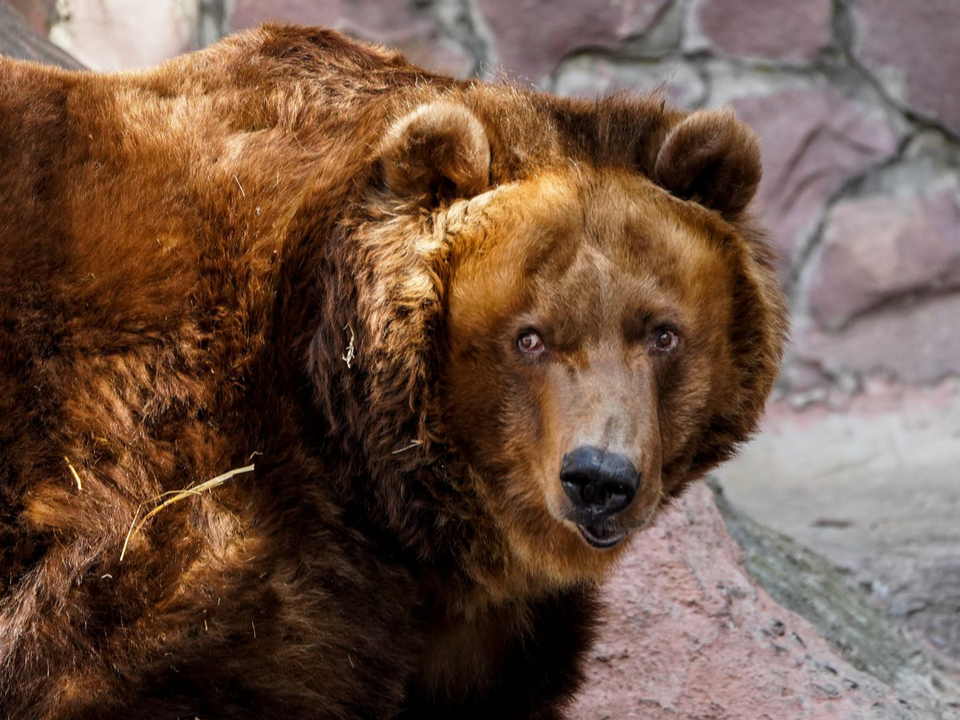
{"points": [[690, 633]]}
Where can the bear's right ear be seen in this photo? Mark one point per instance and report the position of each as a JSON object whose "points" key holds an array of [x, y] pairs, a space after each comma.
{"points": [[439, 151], [711, 158]]}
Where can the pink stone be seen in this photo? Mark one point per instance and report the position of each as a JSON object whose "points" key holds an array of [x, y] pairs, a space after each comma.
{"points": [[877, 249], [913, 341], [530, 39], [39, 14], [398, 24], [117, 34], [812, 141], [19, 40], [688, 634], [593, 76], [776, 29], [801, 375], [914, 49]]}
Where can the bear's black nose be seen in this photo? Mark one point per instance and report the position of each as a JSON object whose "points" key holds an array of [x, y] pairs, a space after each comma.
{"points": [[599, 482]]}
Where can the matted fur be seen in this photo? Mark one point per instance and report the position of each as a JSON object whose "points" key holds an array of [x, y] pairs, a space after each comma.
{"points": [[299, 251]]}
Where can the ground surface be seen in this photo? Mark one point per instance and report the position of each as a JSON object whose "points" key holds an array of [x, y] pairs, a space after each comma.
{"points": [[690, 634], [873, 486]]}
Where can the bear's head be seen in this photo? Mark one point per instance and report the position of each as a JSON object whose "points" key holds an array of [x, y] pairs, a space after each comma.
{"points": [[558, 343]]}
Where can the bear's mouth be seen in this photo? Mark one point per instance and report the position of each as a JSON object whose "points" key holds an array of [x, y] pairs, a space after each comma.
{"points": [[601, 536]]}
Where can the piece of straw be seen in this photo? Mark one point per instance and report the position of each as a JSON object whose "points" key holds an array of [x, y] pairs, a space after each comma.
{"points": [[410, 446], [178, 495], [76, 475], [351, 349]]}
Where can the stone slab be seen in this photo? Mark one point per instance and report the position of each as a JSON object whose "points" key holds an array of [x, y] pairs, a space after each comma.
{"points": [[873, 485]]}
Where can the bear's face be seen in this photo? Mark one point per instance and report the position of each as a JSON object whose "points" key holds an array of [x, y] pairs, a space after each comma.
{"points": [[588, 332], [604, 339]]}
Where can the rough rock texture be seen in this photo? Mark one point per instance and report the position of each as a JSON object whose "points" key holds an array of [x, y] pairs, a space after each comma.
{"points": [[914, 341], [813, 142], [913, 50], [775, 29], [39, 14], [869, 482], [589, 76], [532, 50], [689, 634], [876, 249], [19, 40], [811, 586]]}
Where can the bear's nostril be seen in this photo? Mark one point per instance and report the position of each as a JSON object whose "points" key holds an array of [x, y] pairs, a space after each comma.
{"points": [[578, 484], [599, 482], [589, 493]]}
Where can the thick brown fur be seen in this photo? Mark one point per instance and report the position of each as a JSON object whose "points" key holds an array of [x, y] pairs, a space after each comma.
{"points": [[301, 252]]}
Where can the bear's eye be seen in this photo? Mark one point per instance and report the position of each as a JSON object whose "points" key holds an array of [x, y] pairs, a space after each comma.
{"points": [[530, 343], [665, 339]]}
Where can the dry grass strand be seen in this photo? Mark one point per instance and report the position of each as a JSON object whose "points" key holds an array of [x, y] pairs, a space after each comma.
{"points": [[76, 475], [178, 495]]}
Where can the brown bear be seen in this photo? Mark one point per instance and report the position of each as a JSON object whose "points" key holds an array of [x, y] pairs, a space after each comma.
{"points": [[470, 338]]}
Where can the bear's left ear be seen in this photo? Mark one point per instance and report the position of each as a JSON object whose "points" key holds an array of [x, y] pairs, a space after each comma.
{"points": [[711, 158], [437, 152]]}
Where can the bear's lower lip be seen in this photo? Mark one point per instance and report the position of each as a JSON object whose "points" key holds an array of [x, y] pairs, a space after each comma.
{"points": [[600, 537]]}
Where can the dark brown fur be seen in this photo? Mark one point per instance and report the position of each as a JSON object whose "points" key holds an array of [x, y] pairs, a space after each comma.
{"points": [[302, 252]]}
